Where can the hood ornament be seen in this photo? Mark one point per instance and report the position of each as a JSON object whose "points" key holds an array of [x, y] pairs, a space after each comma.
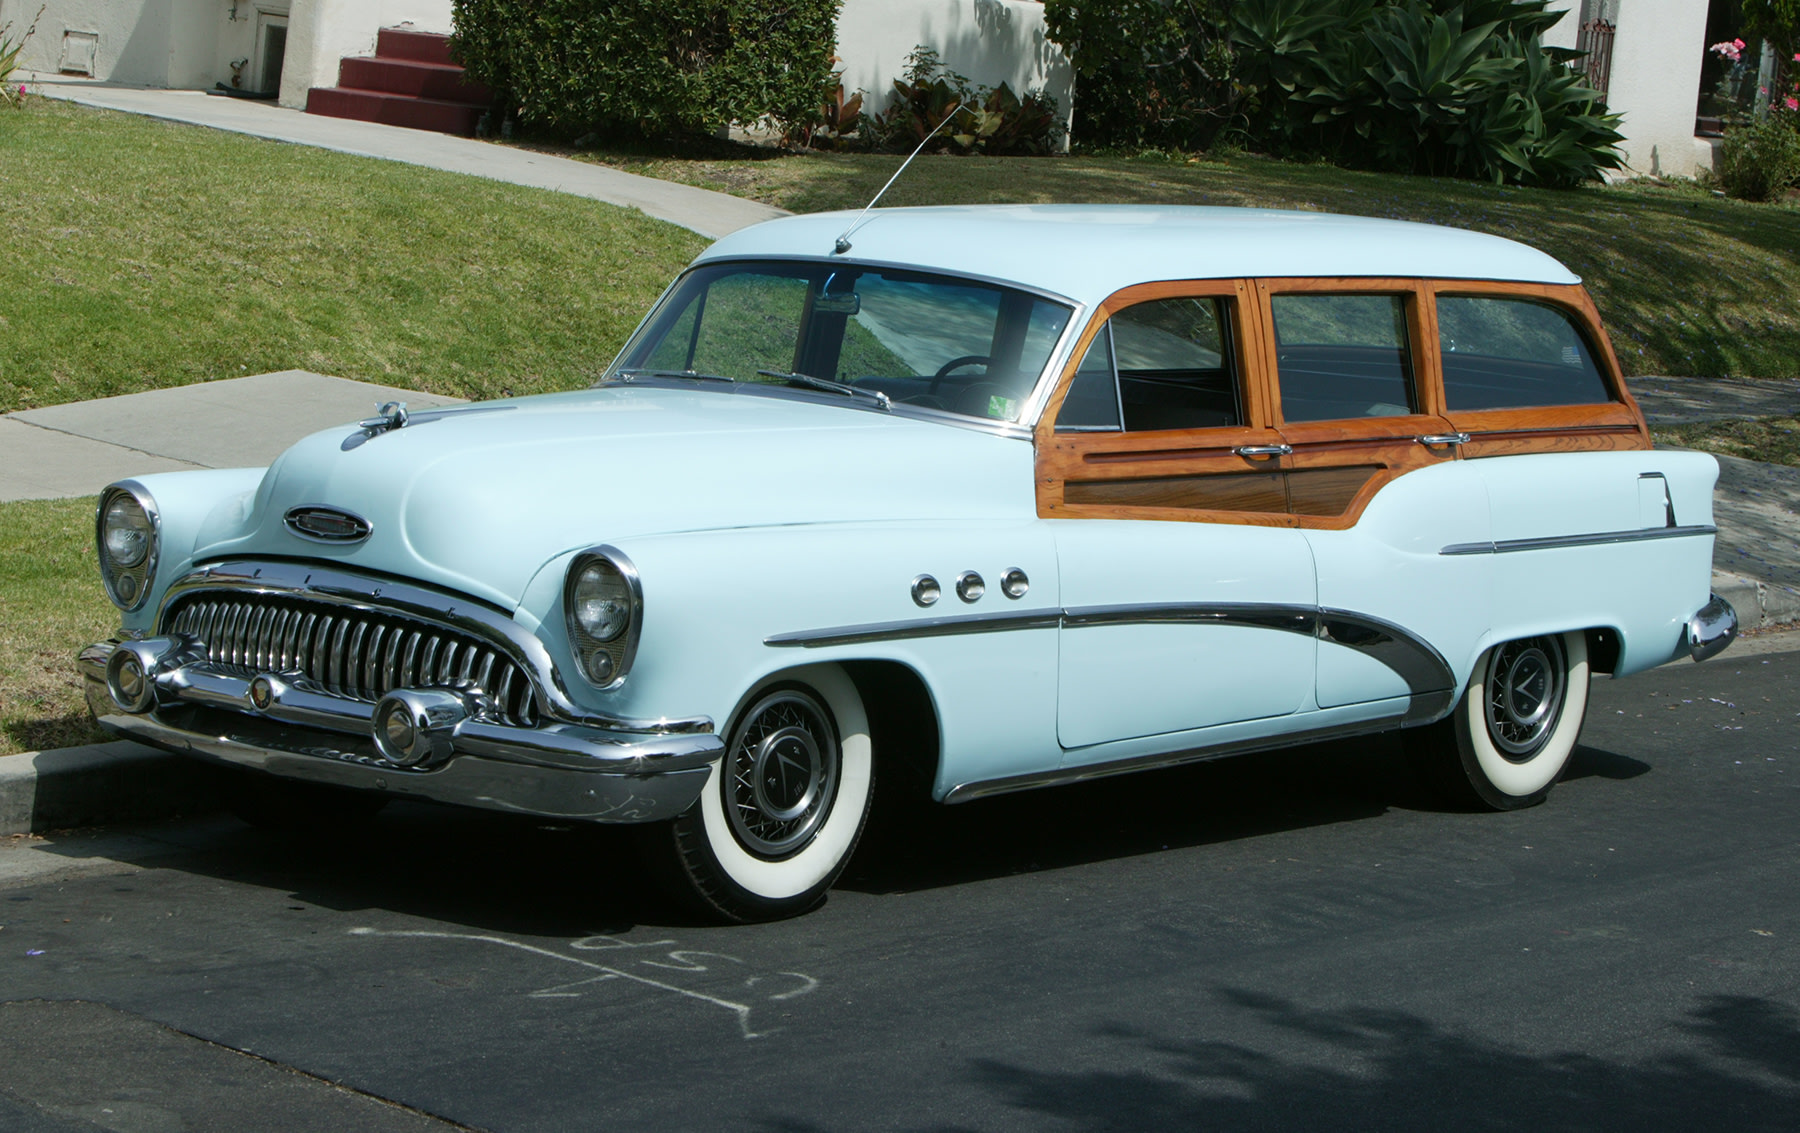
{"points": [[389, 415]]}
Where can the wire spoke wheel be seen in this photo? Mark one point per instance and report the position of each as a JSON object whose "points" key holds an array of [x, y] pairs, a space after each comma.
{"points": [[783, 774], [1524, 686], [783, 807], [1508, 740]]}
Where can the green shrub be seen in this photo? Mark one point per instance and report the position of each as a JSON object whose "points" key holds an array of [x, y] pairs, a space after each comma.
{"points": [[1461, 89], [651, 67], [1758, 161], [10, 50], [989, 120], [1148, 73]]}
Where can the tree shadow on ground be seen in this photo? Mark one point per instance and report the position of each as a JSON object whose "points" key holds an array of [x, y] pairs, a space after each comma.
{"points": [[1378, 1068]]}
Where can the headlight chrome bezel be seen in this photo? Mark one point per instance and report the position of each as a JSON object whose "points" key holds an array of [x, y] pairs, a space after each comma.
{"points": [[618, 651], [127, 587]]}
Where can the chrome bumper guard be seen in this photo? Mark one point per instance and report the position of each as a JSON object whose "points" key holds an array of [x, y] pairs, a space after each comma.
{"points": [[420, 743], [1712, 629]]}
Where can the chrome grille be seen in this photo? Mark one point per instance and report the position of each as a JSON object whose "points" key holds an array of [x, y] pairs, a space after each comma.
{"points": [[354, 653]]}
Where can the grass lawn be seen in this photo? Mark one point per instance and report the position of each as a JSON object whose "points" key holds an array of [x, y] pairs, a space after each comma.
{"points": [[1775, 440], [50, 606], [142, 253], [1689, 283]]}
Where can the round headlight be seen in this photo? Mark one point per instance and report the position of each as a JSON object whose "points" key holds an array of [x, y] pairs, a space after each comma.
{"points": [[125, 531], [601, 601]]}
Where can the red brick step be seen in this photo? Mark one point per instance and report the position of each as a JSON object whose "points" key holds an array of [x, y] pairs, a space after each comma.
{"points": [[410, 81], [406, 76], [394, 109], [419, 46]]}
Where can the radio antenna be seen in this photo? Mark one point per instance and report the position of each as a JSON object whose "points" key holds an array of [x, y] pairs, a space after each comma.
{"points": [[843, 242]]}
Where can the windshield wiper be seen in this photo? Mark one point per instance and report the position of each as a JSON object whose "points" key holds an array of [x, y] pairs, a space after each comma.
{"points": [[880, 399], [692, 375]]}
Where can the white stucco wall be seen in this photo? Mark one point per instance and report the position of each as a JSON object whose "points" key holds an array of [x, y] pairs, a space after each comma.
{"points": [[156, 43], [321, 32], [1655, 83], [133, 38], [990, 41]]}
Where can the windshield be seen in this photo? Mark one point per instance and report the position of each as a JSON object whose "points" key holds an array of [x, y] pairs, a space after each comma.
{"points": [[934, 342]]}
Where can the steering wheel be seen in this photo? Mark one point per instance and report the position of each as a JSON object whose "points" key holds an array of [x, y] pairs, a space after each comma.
{"points": [[943, 372]]}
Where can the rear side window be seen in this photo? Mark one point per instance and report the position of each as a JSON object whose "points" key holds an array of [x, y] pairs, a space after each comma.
{"points": [[1342, 356], [1501, 353]]}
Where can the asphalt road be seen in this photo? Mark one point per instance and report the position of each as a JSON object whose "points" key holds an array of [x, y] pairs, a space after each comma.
{"points": [[1288, 941]]}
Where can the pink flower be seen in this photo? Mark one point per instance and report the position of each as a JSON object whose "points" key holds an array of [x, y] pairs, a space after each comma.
{"points": [[1792, 103]]}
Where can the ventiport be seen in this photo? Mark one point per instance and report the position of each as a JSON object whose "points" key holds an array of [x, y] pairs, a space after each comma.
{"points": [[449, 743]]}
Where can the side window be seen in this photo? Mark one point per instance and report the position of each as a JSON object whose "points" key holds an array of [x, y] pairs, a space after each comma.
{"points": [[1501, 353], [1165, 364], [1342, 356]]}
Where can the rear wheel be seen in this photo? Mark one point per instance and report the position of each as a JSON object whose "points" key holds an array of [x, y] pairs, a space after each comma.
{"points": [[1510, 738], [782, 811]]}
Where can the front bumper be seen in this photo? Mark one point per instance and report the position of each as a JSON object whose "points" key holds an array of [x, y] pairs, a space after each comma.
{"points": [[1712, 629], [294, 731]]}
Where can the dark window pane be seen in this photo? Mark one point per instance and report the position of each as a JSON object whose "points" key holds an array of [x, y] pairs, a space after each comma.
{"points": [[1514, 354], [1342, 356], [1174, 366]]}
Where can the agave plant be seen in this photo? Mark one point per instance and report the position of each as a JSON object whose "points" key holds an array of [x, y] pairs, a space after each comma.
{"points": [[10, 50]]}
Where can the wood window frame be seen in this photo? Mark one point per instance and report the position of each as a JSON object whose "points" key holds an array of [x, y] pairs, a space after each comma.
{"points": [[1339, 464], [1614, 426], [1149, 457], [1145, 457]]}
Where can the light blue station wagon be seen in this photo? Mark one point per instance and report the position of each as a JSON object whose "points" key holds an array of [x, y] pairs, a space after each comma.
{"points": [[992, 497]]}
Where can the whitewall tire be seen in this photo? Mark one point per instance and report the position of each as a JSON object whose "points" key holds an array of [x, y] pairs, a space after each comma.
{"points": [[783, 809], [1511, 735]]}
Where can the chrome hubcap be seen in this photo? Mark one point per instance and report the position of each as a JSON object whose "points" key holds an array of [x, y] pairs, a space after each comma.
{"points": [[1525, 683], [782, 774]]}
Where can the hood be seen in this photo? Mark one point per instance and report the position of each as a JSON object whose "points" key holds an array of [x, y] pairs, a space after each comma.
{"points": [[479, 499]]}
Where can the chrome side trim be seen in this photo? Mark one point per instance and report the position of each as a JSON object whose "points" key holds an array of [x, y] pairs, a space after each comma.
{"points": [[1712, 629], [371, 595], [965, 792], [922, 627], [1293, 619], [1428, 677], [1597, 538]]}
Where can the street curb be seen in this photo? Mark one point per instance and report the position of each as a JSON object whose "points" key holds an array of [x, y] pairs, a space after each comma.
{"points": [[1759, 605], [98, 784]]}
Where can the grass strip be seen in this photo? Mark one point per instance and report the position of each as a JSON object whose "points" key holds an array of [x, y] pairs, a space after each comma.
{"points": [[1689, 284], [1773, 440], [142, 254], [51, 605]]}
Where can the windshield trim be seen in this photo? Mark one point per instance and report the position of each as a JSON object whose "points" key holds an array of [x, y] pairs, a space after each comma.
{"points": [[1033, 402]]}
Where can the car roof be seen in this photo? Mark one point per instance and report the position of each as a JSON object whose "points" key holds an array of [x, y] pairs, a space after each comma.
{"points": [[1087, 252]]}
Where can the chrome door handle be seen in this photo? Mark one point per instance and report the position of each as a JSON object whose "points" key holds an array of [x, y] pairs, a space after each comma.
{"points": [[1264, 450], [1444, 439]]}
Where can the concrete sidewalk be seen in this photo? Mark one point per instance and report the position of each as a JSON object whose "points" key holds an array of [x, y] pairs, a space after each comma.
{"points": [[700, 210], [75, 450]]}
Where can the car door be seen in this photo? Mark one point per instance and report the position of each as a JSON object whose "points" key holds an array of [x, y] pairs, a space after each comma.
{"points": [[1187, 588], [1355, 399]]}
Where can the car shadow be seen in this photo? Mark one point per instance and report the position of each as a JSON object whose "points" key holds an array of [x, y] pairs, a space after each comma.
{"points": [[518, 875]]}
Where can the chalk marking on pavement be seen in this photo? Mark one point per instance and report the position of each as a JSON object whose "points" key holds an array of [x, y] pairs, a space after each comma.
{"points": [[561, 991]]}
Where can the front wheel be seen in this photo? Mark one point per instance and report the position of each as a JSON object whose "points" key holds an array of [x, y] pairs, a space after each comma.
{"points": [[782, 811], [1510, 737]]}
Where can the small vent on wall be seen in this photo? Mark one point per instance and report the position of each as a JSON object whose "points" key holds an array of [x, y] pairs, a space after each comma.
{"points": [[78, 52]]}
